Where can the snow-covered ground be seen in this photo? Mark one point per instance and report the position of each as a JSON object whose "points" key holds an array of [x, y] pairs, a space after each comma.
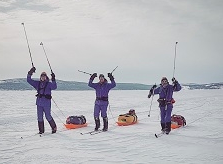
{"points": [[201, 141]]}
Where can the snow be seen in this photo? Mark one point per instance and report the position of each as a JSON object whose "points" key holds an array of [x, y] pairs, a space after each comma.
{"points": [[201, 141], [185, 87]]}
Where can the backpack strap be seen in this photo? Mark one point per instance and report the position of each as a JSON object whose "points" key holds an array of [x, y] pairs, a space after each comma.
{"points": [[39, 89]]}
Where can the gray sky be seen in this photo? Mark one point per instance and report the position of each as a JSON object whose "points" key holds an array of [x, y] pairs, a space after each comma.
{"points": [[97, 35]]}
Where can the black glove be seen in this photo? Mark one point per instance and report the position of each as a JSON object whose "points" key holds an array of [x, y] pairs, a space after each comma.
{"points": [[150, 92], [31, 71], [93, 76], [149, 95], [154, 86], [174, 81], [110, 76], [53, 76]]}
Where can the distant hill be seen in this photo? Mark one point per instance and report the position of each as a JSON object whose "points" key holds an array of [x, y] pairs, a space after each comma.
{"points": [[21, 84], [204, 86]]}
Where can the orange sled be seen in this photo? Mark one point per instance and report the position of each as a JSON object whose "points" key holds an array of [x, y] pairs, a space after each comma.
{"points": [[123, 123], [75, 126], [175, 126]]}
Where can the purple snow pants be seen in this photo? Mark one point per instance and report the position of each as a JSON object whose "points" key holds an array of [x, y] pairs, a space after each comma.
{"points": [[165, 113], [46, 110], [100, 108]]}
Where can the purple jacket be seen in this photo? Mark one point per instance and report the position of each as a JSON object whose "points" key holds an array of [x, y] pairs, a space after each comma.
{"points": [[167, 92], [102, 90], [44, 88]]}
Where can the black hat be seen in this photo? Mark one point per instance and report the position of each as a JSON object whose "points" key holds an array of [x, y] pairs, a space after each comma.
{"points": [[101, 75]]}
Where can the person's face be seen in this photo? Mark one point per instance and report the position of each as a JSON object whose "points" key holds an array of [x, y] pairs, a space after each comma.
{"points": [[101, 79], [43, 77], [164, 82]]}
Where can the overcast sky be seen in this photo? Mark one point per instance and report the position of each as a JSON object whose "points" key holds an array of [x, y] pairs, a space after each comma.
{"points": [[139, 36]]}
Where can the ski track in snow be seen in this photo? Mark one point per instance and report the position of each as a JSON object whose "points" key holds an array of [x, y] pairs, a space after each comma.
{"points": [[200, 141]]}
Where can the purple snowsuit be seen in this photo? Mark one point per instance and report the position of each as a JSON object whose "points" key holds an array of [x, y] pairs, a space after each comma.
{"points": [[165, 97], [43, 103], [101, 102]]}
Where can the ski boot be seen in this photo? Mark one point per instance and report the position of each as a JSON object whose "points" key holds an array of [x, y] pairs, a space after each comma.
{"points": [[163, 126], [105, 121], [97, 123], [53, 126], [168, 127], [41, 127]]}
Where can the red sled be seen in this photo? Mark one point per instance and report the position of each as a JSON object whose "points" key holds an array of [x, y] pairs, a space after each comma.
{"points": [[75, 126]]}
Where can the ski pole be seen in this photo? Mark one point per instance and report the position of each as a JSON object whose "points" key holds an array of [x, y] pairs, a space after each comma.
{"points": [[28, 44], [46, 57], [114, 69], [85, 72], [174, 66], [151, 103]]}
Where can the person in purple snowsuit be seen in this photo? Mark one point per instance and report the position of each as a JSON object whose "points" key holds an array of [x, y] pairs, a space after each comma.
{"points": [[43, 100], [165, 100], [102, 89]]}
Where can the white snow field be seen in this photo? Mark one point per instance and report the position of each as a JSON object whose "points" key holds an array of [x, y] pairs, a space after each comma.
{"points": [[201, 141]]}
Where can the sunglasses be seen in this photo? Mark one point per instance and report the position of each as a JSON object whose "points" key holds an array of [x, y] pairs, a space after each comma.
{"points": [[43, 75], [164, 81]]}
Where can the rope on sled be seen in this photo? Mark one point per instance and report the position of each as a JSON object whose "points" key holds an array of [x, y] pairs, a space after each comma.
{"points": [[198, 106], [57, 117], [208, 114], [109, 107], [58, 107], [59, 110]]}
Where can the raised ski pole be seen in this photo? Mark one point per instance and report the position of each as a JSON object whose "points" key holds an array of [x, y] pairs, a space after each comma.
{"points": [[174, 66], [28, 44], [114, 69], [150, 108], [85, 72], [46, 57]]}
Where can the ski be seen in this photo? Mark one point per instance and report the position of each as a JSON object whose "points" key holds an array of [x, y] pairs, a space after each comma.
{"points": [[36, 134], [93, 132], [88, 132], [96, 132], [157, 135], [45, 134]]}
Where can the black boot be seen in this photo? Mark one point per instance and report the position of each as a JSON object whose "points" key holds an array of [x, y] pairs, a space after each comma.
{"points": [[53, 126], [105, 121], [168, 127], [163, 126], [41, 127], [97, 123]]}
